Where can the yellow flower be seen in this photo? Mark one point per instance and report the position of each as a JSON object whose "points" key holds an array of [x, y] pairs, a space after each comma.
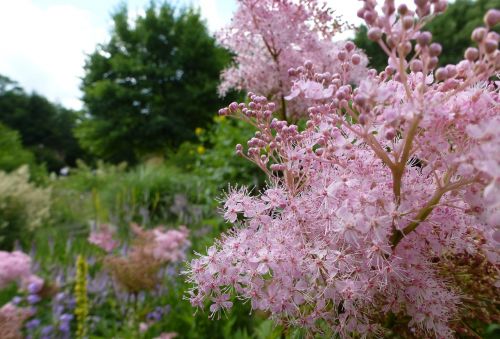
{"points": [[198, 131], [201, 149]]}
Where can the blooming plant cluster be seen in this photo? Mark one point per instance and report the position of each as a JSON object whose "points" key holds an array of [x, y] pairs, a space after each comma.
{"points": [[389, 189], [138, 269], [271, 36], [15, 267]]}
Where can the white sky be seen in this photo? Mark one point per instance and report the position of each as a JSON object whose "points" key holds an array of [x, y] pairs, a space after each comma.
{"points": [[43, 42]]}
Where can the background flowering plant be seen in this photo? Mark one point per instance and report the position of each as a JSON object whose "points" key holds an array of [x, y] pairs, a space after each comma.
{"points": [[371, 208]]}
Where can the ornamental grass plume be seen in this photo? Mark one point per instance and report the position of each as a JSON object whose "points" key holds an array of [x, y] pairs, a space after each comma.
{"points": [[268, 37], [150, 250], [382, 211]]}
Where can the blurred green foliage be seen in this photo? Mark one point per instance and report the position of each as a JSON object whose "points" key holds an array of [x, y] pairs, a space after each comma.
{"points": [[13, 155], [452, 30], [151, 84], [45, 129]]}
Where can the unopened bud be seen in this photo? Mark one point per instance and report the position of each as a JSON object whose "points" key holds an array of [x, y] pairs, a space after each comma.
{"points": [[451, 70], [355, 59], [492, 17], [407, 22], [363, 119], [435, 49], [433, 62], [440, 6], [403, 9], [233, 107], [424, 38], [390, 134], [490, 45], [349, 46], [421, 3], [416, 66], [479, 34], [374, 34], [471, 54], [308, 64], [342, 55], [441, 74]]}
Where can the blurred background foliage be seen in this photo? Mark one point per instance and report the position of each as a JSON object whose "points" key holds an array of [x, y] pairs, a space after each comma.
{"points": [[147, 148]]}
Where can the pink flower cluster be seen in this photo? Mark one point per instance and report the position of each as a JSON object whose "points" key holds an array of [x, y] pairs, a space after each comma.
{"points": [[269, 37], [103, 237], [385, 181], [16, 267], [170, 245], [159, 243]]}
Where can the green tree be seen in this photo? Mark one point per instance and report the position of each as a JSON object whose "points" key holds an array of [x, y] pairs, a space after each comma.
{"points": [[46, 129], [151, 85], [451, 29]]}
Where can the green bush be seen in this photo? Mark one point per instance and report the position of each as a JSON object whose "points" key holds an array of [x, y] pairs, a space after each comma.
{"points": [[13, 155], [23, 207]]}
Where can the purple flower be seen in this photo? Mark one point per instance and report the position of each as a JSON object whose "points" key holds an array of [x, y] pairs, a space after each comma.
{"points": [[47, 330], [32, 324], [66, 318], [16, 300], [33, 299], [35, 287]]}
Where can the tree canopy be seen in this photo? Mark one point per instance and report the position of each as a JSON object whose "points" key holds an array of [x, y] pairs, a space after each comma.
{"points": [[45, 128], [151, 84], [452, 30]]}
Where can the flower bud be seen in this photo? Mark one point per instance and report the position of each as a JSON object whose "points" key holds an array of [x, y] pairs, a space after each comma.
{"points": [[421, 3], [435, 49], [390, 134], [479, 34], [370, 17], [405, 47], [363, 119], [349, 46], [452, 71], [441, 74], [471, 54], [440, 6], [292, 72], [308, 64], [342, 55], [360, 100], [374, 34], [233, 107], [416, 66], [402, 9], [492, 17], [407, 22], [424, 38], [433, 62], [490, 45], [355, 59]]}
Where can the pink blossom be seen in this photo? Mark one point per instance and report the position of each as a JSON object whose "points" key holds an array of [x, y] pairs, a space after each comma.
{"points": [[14, 267], [365, 205], [103, 237]]}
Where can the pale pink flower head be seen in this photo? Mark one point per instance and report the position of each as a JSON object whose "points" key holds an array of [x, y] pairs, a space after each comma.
{"points": [[170, 245], [14, 267], [103, 237]]}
